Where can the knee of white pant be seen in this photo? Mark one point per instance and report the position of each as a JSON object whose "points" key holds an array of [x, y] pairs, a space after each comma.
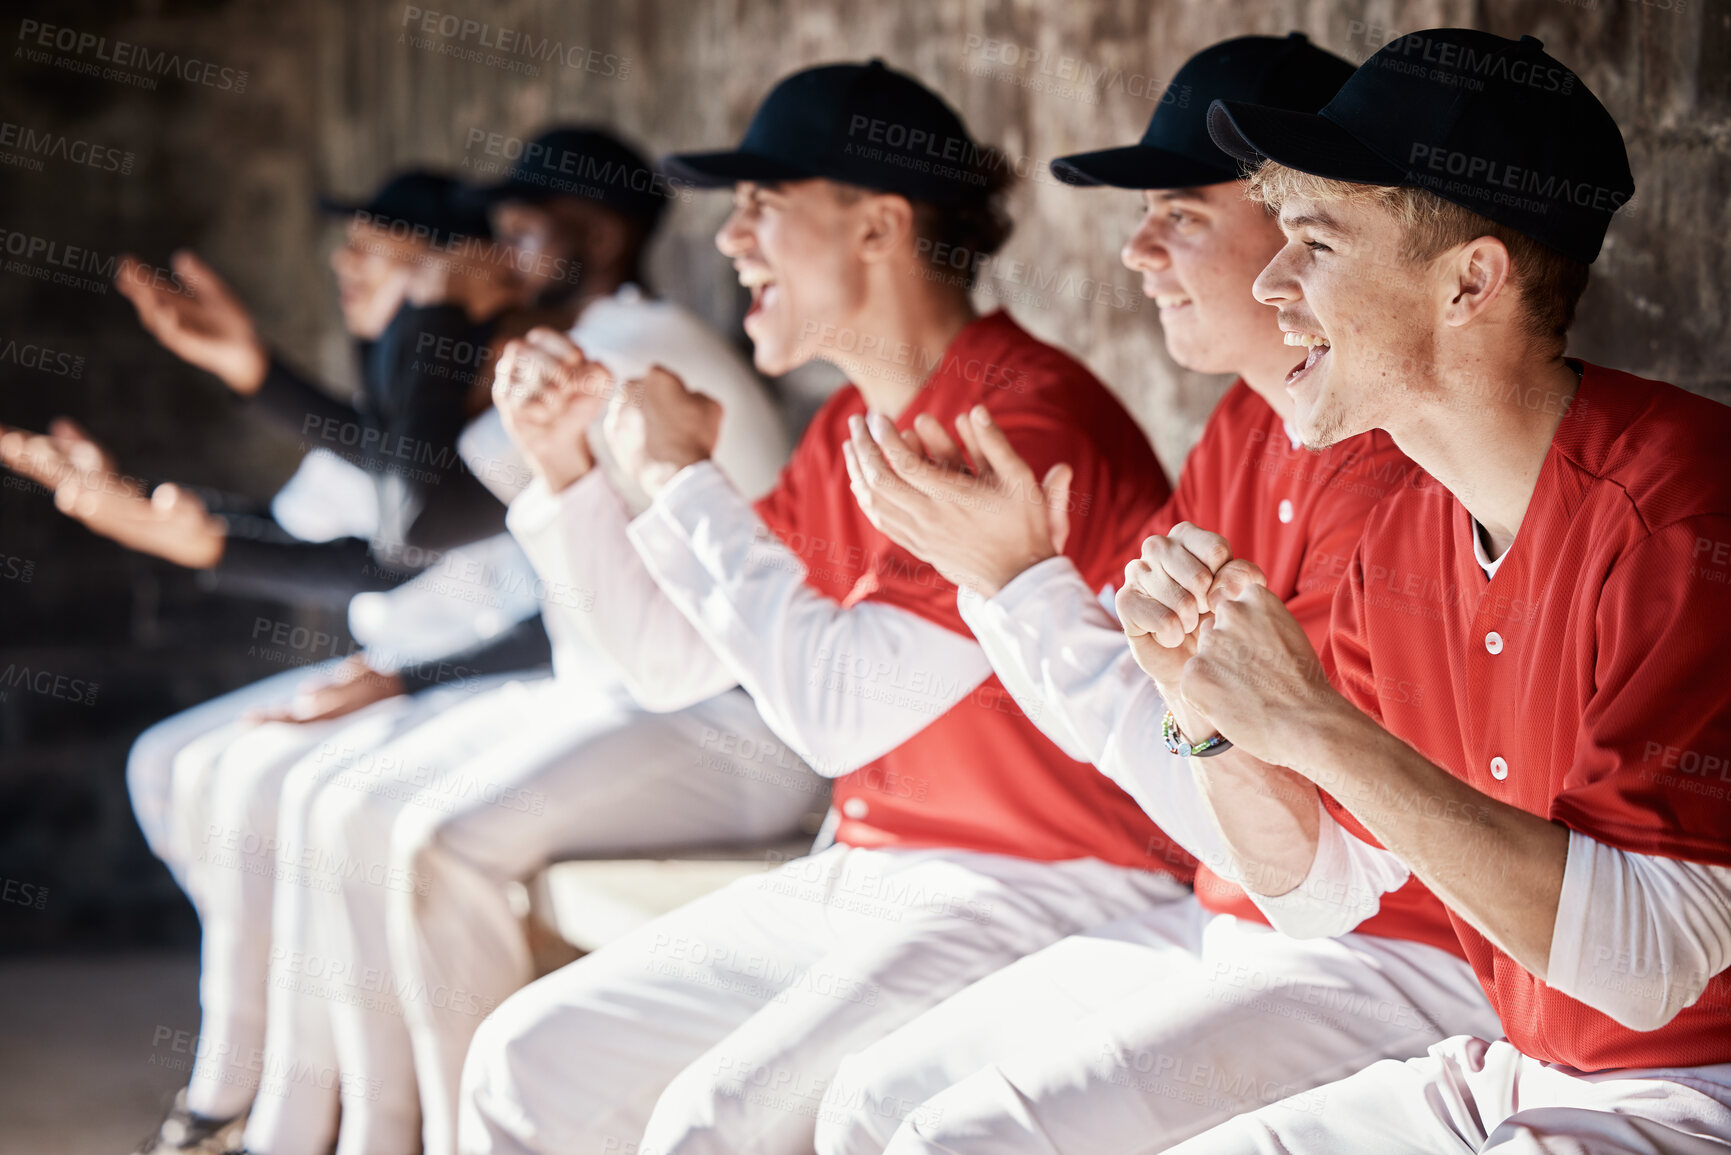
{"points": [[864, 1105], [149, 783], [258, 797], [417, 852], [303, 781], [984, 1112], [504, 1071], [351, 818], [148, 763]]}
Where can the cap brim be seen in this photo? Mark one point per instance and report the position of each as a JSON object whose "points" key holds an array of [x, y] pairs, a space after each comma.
{"points": [[1140, 166], [1300, 140], [720, 169]]}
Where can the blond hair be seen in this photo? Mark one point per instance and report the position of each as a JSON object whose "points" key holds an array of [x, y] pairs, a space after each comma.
{"points": [[1550, 283]]}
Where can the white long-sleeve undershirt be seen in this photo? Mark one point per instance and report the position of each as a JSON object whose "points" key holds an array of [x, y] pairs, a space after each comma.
{"points": [[840, 685], [1062, 656], [697, 595], [1637, 936]]}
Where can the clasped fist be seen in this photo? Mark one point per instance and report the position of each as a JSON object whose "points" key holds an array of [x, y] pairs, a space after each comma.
{"points": [[1166, 601], [548, 395], [1228, 655], [656, 427]]}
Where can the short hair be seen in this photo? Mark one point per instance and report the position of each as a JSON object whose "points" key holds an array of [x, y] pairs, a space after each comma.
{"points": [[1550, 283], [978, 226], [955, 240]]}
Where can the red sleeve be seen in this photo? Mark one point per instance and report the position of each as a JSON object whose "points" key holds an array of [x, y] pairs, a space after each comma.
{"points": [[1652, 766]]}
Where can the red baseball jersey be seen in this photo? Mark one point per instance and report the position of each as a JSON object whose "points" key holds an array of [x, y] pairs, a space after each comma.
{"points": [[1585, 682], [981, 776], [1298, 515]]}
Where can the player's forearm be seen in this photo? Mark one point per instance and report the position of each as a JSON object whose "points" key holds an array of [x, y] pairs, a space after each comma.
{"points": [[1267, 817], [598, 586], [842, 686], [1498, 867]]}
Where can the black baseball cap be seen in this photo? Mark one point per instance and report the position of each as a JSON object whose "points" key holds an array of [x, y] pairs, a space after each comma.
{"points": [[1494, 125], [419, 203], [587, 162], [860, 124], [1176, 151]]}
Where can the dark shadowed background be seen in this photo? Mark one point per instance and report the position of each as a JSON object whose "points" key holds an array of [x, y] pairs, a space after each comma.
{"points": [[270, 102]]}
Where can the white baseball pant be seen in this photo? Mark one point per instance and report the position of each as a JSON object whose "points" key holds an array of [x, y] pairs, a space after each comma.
{"points": [[150, 762], [717, 1027], [218, 832], [407, 952], [1468, 1095], [1139, 1033], [295, 1106]]}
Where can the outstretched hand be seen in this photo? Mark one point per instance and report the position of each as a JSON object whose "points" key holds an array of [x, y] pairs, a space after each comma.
{"points": [[974, 510], [169, 523], [203, 324]]}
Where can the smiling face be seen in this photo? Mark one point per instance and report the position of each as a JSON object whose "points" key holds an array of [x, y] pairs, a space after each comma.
{"points": [[795, 246], [1364, 318], [1199, 250]]}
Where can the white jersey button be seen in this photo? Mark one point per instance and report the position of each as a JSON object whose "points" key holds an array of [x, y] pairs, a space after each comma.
{"points": [[1285, 510], [855, 808], [1494, 642], [1499, 769]]}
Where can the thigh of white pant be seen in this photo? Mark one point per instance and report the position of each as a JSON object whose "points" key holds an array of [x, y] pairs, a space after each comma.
{"points": [[912, 933], [617, 781], [1391, 999], [1528, 1105], [193, 838], [1580, 1131], [150, 762], [1462, 1097], [1418, 1107], [435, 732], [246, 785], [1035, 998], [365, 771], [582, 1054], [228, 783], [1252, 1020]]}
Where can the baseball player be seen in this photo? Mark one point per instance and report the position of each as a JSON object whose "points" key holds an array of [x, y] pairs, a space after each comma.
{"points": [[964, 838], [1152, 1028], [384, 971], [413, 277], [198, 816], [1550, 580]]}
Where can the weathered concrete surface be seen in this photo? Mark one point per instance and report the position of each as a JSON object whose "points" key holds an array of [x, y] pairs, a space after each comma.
{"points": [[695, 70]]}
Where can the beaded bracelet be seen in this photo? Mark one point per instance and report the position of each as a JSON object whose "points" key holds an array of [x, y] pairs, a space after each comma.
{"points": [[1175, 742]]}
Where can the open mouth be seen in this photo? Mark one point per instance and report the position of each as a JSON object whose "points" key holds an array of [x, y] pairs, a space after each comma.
{"points": [[1317, 347], [763, 288], [1171, 302]]}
